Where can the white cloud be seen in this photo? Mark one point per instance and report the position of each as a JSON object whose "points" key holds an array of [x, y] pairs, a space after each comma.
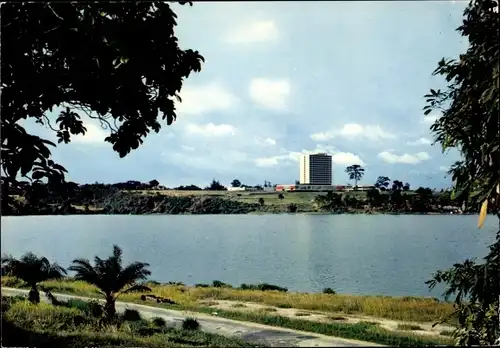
{"points": [[260, 31], [265, 142], [267, 161], [354, 131], [205, 98], [288, 157], [347, 158], [421, 141], [95, 134], [271, 94], [210, 129], [429, 119], [406, 158], [444, 168]]}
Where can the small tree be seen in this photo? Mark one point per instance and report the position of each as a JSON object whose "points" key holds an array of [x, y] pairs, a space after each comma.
{"points": [[406, 187], [382, 182], [261, 201], [281, 196], [153, 183], [215, 186], [33, 270], [236, 183], [355, 173], [111, 278]]}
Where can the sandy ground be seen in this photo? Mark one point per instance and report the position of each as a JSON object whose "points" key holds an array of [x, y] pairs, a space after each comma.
{"points": [[392, 325]]}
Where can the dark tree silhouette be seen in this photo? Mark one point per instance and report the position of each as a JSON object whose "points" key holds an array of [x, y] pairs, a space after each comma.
{"points": [[236, 183], [33, 270], [154, 183], [355, 173], [382, 182], [116, 62], [281, 196], [111, 278], [261, 201], [215, 186]]}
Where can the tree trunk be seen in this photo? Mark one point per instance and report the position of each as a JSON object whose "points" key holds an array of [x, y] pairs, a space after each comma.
{"points": [[109, 308], [34, 295]]}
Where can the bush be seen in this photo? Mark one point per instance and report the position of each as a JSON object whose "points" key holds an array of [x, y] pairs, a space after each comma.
{"points": [[329, 291], [131, 315], [219, 284], [263, 287], [44, 316], [159, 322], [190, 324], [201, 285]]}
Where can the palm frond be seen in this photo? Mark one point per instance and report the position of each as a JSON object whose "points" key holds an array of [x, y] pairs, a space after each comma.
{"points": [[132, 273]]}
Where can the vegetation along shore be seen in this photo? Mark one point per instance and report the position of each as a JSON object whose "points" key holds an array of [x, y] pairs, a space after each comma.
{"points": [[134, 197], [379, 319]]}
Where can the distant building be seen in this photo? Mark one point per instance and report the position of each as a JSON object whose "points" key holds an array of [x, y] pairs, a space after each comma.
{"points": [[315, 169]]}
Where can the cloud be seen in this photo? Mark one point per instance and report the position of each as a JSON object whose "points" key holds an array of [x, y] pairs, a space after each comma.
{"points": [[94, 135], [444, 168], [429, 119], [271, 94], [205, 98], [265, 142], [421, 141], [210, 129], [187, 148], [353, 131], [392, 158], [288, 157], [260, 31]]}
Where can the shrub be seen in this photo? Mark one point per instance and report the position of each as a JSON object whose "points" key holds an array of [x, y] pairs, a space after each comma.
{"points": [[159, 322], [190, 324], [44, 316], [131, 315], [409, 327], [262, 287], [201, 285], [219, 284], [329, 291]]}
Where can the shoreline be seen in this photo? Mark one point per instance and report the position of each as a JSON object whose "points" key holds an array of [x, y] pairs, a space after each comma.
{"points": [[100, 213]]}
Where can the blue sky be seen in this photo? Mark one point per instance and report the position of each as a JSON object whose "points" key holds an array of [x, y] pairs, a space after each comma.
{"points": [[284, 78]]}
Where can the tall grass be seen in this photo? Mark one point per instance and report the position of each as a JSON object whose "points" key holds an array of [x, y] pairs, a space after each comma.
{"points": [[397, 308], [44, 325]]}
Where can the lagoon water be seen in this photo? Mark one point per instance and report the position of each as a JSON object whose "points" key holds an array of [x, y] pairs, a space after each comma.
{"points": [[357, 254]]}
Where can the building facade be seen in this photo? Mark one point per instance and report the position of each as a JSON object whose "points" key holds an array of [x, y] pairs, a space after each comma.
{"points": [[315, 169]]}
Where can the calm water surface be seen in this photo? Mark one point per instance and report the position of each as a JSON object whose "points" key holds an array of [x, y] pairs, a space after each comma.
{"points": [[358, 254]]}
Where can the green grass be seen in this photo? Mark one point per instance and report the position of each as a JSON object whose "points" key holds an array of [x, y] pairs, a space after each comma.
{"points": [[447, 333], [44, 325], [407, 309], [302, 314], [363, 331], [409, 327]]}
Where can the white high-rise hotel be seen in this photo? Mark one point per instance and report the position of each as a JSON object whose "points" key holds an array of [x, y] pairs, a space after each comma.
{"points": [[316, 169]]}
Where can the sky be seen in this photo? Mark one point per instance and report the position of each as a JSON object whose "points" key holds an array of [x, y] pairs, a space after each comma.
{"points": [[285, 78]]}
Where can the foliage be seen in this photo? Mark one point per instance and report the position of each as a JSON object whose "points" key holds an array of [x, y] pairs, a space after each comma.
{"points": [[382, 182], [263, 287], [110, 277], [116, 63], [215, 186], [329, 291], [292, 207], [33, 270], [355, 173], [190, 324], [469, 108], [261, 201], [281, 196], [236, 183]]}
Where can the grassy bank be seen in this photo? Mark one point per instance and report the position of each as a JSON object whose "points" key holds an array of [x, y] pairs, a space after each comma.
{"points": [[72, 325], [398, 308], [197, 299]]}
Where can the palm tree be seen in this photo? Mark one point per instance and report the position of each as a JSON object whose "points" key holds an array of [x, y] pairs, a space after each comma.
{"points": [[111, 278], [355, 173], [33, 270]]}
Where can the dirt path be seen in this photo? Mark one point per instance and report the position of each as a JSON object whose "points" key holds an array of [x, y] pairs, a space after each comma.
{"points": [[388, 324], [251, 332]]}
